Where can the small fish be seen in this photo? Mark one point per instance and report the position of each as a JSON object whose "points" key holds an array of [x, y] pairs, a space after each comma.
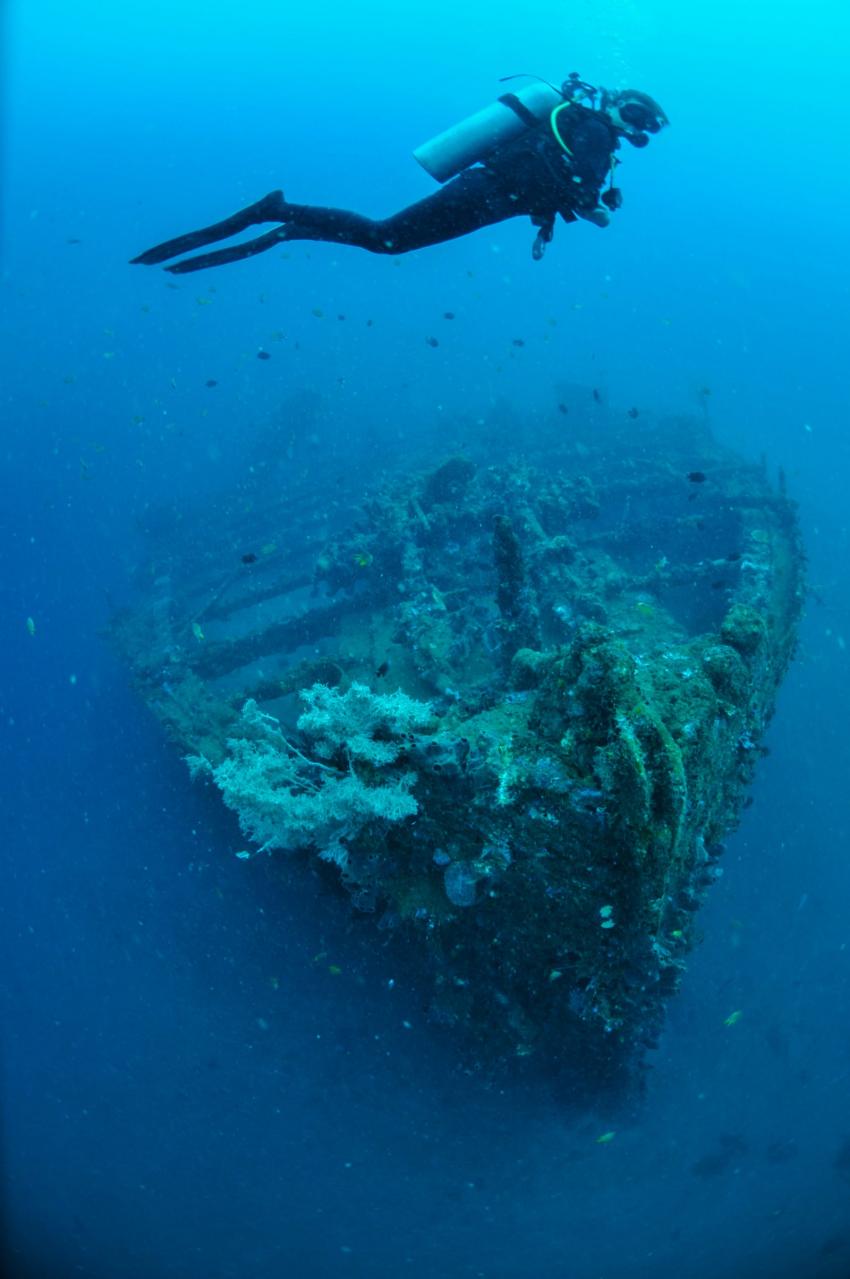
{"points": [[563, 408], [318, 312], [605, 1137], [72, 239], [382, 670], [211, 381], [733, 1018], [334, 970], [369, 323], [597, 395], [363, 559], [633, 413], [249, 558], [197, 632], [30, 626], [646, 609], [697, 477], [203, 301], [518, 342], [263, 355], [432, 342], [340, 317], [448, 315], [733, 557]]}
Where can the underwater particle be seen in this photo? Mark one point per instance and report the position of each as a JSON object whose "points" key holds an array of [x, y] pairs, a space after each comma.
{"points": [[518, 342], [459, 881], [563, 408], [263, 355], [211, 381], [197, 631], [733, 1018], [369, 323], [382, 670], [249, 558], [432, 342], [604, 1138], [597, 395], [318, 312], [340, 317], [448, 315], [30, 626], [697, 477], [633, 413]]}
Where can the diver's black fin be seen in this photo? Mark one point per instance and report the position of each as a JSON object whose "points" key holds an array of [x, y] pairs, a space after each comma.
{"points": [[270, 209], [234, 254]]}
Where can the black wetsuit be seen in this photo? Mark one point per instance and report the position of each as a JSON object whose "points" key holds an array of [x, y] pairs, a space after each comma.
{"points": [[532, 176]]}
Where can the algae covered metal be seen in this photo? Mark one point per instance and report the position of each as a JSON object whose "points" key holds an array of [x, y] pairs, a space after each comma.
{"points": [[514, 706]]}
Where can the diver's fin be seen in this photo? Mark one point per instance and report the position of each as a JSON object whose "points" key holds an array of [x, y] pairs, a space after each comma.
{"points": [[235, 253], [270, 209]]}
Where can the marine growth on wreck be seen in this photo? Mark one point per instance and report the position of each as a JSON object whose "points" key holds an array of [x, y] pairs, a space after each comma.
{"points": [[515, 707]]}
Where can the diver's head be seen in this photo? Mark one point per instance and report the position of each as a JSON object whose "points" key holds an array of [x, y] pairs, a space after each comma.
{"points": [[634, 115]]}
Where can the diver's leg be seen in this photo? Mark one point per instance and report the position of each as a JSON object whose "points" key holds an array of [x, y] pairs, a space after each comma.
{"points": [[269, 209], [473, 200]]}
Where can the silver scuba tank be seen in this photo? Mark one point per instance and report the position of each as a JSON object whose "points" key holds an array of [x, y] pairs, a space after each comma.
{"points": [[472, 139]]}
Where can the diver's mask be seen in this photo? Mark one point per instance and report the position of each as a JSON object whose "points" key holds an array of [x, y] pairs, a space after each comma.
{"points": [[634, 114]]}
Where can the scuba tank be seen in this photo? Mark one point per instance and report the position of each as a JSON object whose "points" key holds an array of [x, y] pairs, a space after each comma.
{"points": [[475, 137]]}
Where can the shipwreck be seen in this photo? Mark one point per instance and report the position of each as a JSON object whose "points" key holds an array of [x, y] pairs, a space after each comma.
{"points": [[511, 708]]}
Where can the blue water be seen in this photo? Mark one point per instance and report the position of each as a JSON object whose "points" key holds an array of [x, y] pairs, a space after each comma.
{"points": [[186, 1092]]}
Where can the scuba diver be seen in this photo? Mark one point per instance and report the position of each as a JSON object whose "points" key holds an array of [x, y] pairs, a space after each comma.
{"points": [[539, 152]]}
